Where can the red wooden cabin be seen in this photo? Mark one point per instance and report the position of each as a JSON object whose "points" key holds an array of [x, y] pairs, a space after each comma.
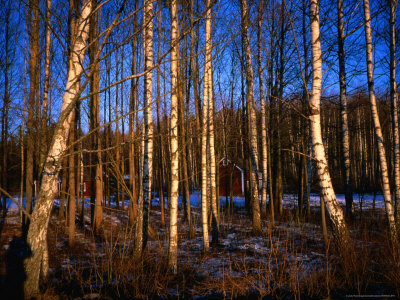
{"points": [[230, 172]]}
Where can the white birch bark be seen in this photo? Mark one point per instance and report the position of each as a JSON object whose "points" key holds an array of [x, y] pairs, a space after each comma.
{"points": [[256, 218], [377, 125], [173, 225], [37, 233], [335, 212], [148, 117], [263, 116], [204, 177], [213, 166]]}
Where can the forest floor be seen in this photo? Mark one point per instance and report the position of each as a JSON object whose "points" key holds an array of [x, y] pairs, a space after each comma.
{"points": [[288, 261]]}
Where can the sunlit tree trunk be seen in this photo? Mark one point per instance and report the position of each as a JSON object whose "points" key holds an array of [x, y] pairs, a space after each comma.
{"points": [[340, 231], [204, 196], [173, 225], [378, 131], [263, 115], [343, 113], [213, 178], [255, 204], [142, 223], [37, 233]]}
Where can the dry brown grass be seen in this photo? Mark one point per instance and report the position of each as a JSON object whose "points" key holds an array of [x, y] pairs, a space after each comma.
{"points": [[296, 265]]}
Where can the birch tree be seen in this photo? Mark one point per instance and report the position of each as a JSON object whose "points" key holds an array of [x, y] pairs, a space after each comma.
{"points": [[37, 233], [173, 225], [263, 115], [147, 115], [213, 186], [147, 144], [343, 112], [340, 231], [377, 127], [204, 208], [393, 98], [255, 204]]}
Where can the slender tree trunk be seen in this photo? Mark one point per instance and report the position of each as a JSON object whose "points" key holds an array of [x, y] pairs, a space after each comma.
{"points": [[132, 105], [323, 221], [37, 233], [340, 231], [96, 167], [394, 99], [213, 178], [72, 181], [43, 144], [160, 138], [343, 114], [263, 115], [33, 85], [116, 167], [255, 204], [5, 112], [378, 131], [196, 96], [204, 196], [142, 224], [173, 226]]}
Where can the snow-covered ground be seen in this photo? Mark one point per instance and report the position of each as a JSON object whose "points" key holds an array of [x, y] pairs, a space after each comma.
{"points": [[364, 201]]}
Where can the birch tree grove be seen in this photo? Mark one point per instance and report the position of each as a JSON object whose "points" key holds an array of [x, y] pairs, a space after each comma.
{"points": [[37, 233], [340, 231], [244, 177]]}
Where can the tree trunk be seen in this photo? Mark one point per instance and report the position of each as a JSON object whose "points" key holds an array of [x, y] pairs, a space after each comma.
{"points": [[148, 129], [204, 196], [263, 116], [37, 233], [213, 180], [343, 114], [255, 204], [393, 98], [33, 85], [72, 181], [340, 231], [132, 107], [43, 129], [173, 226], [96, 165], [378, 131]]}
